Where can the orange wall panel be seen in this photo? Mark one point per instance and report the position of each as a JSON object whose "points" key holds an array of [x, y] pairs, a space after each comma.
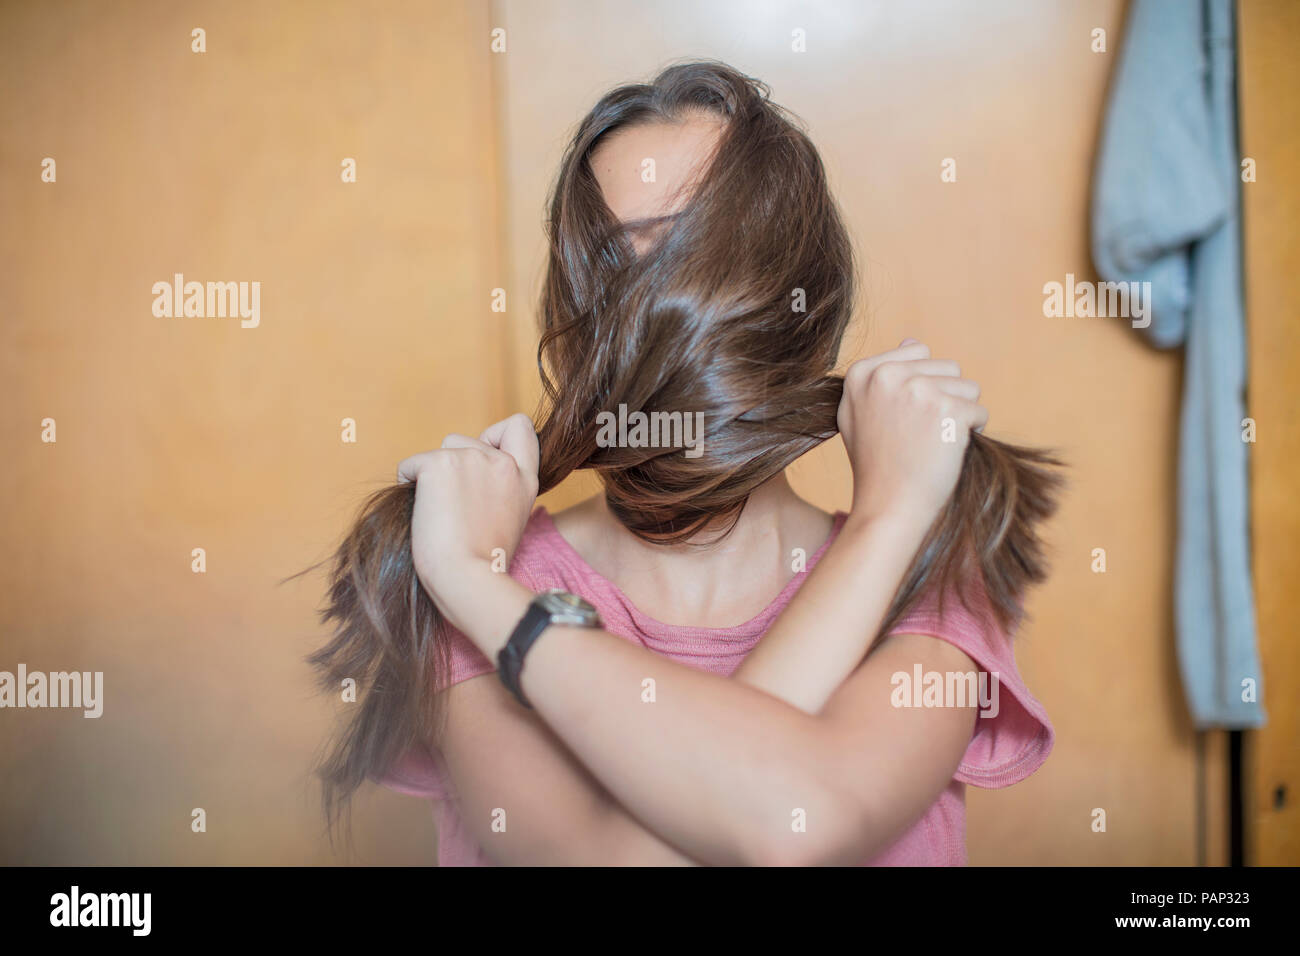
{"points": [[183, 433]]}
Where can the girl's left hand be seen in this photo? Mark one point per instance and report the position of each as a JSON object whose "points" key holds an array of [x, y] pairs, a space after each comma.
{"points": [[472, 497]]}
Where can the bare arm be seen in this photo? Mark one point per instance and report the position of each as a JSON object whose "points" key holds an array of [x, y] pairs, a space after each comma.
{"points": [[718, 768], [505, 758], [824, 633]]}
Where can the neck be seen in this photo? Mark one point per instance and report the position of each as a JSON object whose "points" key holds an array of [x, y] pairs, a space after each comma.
{"points": [[711, 581]]}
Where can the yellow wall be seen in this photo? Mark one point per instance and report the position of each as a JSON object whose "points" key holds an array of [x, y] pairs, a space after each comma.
{"points": [[183, 433], [1270, 134], [194, 432]]}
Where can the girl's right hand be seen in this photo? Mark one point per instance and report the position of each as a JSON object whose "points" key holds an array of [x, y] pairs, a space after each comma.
{"points": [[906, 421]]}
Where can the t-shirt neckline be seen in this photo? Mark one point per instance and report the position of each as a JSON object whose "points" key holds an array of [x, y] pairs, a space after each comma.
{"points": [[676, 632]]}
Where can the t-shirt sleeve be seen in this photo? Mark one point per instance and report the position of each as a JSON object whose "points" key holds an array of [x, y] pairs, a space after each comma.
{"points": [[465, 661], [1013, 735]]}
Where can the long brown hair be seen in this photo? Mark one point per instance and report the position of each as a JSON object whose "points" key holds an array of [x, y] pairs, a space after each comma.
{"points": [[705, 320]]}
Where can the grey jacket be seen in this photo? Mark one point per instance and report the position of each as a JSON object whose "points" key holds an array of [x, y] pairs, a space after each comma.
{"points": [[1165, 210]]}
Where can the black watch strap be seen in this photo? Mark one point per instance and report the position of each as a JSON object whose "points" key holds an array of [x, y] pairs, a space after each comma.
{"points": [[510, 660]]}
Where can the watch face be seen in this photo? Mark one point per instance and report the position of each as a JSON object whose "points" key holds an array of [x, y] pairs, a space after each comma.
{"points": [[572, 601], [570, 606]]}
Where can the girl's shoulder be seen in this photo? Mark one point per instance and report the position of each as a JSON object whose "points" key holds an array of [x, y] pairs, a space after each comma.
{"points": [[1013, 734], [544, 556]]}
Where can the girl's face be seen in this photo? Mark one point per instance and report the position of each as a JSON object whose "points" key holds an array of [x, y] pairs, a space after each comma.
{"points": [[636, 188]]}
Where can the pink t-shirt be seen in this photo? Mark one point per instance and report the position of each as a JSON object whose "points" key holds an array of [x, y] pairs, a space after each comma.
{"points": [[1004, 749]]}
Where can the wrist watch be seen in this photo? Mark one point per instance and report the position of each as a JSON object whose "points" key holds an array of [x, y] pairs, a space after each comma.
{"points": [[550, 607]]}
